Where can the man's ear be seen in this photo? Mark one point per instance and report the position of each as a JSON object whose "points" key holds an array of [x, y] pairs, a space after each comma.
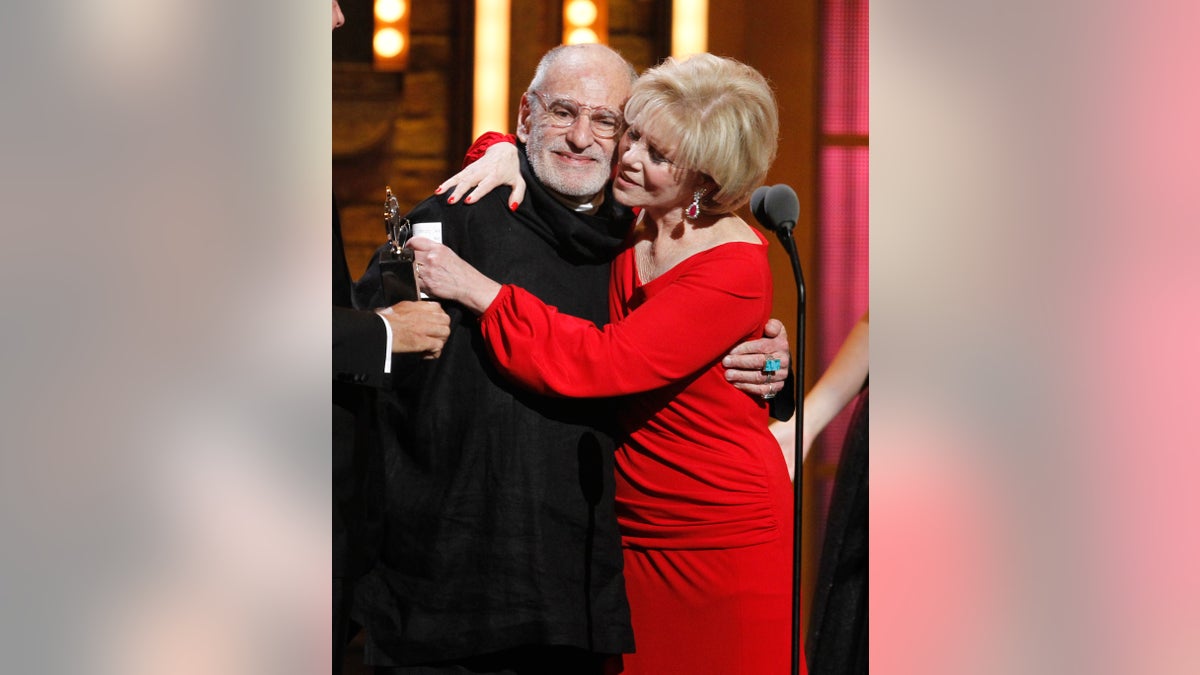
{"points": [[523, 116]]}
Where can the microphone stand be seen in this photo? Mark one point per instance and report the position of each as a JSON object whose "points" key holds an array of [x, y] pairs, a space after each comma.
{"points": [[789, 243], [777, 207]]}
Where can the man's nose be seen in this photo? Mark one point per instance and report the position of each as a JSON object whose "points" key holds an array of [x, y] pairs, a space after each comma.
{"points": [[580, 132]]}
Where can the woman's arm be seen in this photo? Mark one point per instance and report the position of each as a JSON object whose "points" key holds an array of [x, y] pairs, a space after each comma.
{"points": [[672, 335], [490, 162], [839, 384]]}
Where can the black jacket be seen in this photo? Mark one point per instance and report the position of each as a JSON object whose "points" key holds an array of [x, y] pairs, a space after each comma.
{"points": [[499, 528]]}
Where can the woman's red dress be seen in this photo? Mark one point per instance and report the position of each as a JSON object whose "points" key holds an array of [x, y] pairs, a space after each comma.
{"points": [[703, 496]]}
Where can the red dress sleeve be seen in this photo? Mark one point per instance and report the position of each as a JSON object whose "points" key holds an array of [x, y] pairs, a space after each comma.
{"points": [[677, 325], [485, 141]]}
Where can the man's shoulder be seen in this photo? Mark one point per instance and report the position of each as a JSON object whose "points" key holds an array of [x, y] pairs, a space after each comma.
{"points": [[435, 208]]}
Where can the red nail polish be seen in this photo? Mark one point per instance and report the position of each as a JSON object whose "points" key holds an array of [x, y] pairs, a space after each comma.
{"points": [[513, 206], [450, 201], [468, 200], [439, 191]]}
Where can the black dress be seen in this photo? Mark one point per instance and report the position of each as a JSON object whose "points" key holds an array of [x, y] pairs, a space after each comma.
{"points": [[838, 626]]}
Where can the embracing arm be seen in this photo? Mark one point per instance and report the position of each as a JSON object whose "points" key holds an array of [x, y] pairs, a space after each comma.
{"points": [[745, 369], [553, 353], [490, 162], [561, 354]]}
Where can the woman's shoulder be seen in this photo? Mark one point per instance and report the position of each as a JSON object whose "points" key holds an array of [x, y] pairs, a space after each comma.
{"points": [[738, 230], [736, 237], [744, 257]]}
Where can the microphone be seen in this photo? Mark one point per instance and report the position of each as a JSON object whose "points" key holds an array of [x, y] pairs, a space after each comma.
{"points": [[778, 209], [756, 205]]}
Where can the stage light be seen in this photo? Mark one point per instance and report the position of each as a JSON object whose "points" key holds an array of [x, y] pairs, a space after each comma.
{"points": [[390, 11], [689, 27], [580, 12], [391, 41], [388, 43], [581, 36], [585, 21], [492, 109]]}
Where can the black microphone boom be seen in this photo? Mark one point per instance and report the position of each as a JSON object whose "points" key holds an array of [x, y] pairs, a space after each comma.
{"points": [[777, 209]]}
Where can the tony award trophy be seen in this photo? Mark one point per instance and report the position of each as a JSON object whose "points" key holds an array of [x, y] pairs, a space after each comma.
{"points": [[397, 274]]}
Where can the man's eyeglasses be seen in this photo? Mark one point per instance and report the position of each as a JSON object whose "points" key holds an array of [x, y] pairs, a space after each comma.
{"points": [[562, 112]]}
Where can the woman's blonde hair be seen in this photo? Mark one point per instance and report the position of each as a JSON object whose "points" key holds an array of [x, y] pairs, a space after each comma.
{"points": [[720, 114]]}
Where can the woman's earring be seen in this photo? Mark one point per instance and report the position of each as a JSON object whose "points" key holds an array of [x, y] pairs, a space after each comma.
{"points": [[693, 209]]}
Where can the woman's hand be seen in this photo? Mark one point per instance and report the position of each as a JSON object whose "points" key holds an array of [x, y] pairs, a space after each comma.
{"points": [[498, 166], [442, 274]]}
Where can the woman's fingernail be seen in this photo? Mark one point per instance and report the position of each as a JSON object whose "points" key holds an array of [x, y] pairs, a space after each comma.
{"points": [[439, 191], [513, 206], [450, 201], [468, 200]]}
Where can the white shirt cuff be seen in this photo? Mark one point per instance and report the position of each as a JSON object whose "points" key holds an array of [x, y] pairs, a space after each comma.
{"points": [[387, 359]]}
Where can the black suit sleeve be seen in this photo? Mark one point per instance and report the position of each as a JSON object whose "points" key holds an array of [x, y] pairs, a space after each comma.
{"points": [[359, 347]]}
